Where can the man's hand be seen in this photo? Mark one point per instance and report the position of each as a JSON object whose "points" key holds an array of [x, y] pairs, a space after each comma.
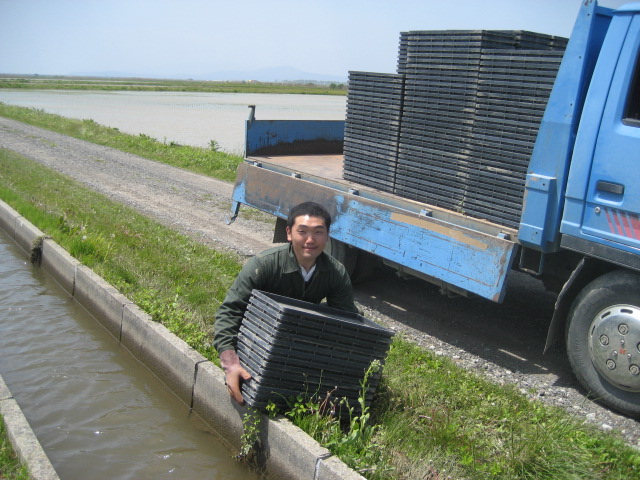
{"points": [[235, 374]]}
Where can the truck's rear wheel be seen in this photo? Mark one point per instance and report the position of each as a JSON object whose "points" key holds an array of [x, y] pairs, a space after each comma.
{"points": [[603, 340], [345, 254], [359, 264], [366, 265]]}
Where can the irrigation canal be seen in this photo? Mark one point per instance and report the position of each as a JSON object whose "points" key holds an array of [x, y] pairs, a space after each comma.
{"points": [[96, 410]]}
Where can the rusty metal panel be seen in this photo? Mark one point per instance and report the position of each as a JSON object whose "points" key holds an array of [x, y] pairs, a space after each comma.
{"points": [[469, 259]]}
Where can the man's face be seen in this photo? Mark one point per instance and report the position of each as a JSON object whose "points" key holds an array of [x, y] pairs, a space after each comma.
{"points": [[308, 236]]}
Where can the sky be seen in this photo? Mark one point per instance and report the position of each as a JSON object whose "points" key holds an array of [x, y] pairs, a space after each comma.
{"points": [[201, 38]]}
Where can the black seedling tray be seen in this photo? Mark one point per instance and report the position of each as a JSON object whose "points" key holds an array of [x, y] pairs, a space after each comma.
{"points": [[284, 308], [317, 358], [275, 373], [292, 347], [290, 329], [259, 397]]}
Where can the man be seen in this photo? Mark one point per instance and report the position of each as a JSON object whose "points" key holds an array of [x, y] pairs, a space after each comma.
{"points": [[299, 269]]}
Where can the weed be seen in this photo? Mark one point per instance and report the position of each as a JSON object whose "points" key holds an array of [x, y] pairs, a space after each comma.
{"points": [[250, 437], [354, 441], [214, 146], [358, 447], [177, 320], [271, 409]]}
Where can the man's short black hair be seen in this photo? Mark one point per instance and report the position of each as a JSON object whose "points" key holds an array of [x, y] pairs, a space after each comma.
{"points": [[309, 208]]}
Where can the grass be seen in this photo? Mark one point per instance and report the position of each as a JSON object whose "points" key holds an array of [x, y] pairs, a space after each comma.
{"points": [[431, 419], [145, 84], [474, 429], [210, 162], [348, 433], [10, 467], [178, 281]]}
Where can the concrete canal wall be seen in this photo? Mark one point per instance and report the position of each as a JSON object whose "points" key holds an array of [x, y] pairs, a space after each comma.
{"points": [[24, 441], [287, 451]]}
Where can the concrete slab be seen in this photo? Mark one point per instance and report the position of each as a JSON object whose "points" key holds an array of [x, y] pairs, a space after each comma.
{"points": [[170, 358], [287, 451], [333, 468], [5, 394], [60, 264], [27, 235], [102, 300], [212, 402], [22, 438], [8, 219], [291, 452]]}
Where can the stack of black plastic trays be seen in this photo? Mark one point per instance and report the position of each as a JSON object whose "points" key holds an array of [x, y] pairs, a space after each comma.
{"points": [[441, 70], [472, 108], [456, 126], [291, 347], [374, 106], [512, 93]]}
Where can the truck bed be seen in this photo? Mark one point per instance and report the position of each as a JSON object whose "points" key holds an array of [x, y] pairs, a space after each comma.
{"points": [[327, 166], [327, 169], [288, 162], [463, 252]]}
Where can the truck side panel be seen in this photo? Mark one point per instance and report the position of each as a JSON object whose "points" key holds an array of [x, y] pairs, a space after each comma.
{"points": [[469, 259]]}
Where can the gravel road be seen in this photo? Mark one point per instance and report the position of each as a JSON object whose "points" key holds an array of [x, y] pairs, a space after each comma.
{"points": [[502, 342]]}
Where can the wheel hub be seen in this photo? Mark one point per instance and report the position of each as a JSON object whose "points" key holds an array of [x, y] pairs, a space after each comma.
{"points": [[614, 346]]}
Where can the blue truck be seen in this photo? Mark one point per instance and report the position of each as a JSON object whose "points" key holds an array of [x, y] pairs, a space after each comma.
{"points": [[576, 226]]}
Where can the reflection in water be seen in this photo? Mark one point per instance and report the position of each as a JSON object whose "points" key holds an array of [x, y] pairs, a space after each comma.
{"points": [[182, 117], [96, 410]]}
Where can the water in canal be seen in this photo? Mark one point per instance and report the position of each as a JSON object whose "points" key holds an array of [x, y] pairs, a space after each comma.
{"points": [[184, 117], [98, 412]]}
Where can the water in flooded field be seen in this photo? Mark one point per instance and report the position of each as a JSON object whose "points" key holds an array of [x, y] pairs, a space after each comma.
{"points": [[96, 410], [184, 117]]}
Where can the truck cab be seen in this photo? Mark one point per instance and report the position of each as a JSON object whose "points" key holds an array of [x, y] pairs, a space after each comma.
{"points": [[602, 200]]}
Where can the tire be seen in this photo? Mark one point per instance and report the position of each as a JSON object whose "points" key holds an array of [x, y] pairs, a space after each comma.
{"points": [[603, 340], [366, 264], [359, 264], [345, 254]]}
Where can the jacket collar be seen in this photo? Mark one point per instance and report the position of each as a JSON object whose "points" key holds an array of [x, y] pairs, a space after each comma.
{"points": [[291, 263]]}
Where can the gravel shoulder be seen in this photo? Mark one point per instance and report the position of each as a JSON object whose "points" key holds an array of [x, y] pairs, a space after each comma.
{"points": [[502, 342]]}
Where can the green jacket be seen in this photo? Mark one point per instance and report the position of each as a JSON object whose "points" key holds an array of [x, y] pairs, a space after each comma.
{"points": [[276, 271]]}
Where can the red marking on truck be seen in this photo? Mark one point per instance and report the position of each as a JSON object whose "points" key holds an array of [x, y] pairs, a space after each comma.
{"points": [[611, 220], [616, 218], [635, 223], [623, 224]]}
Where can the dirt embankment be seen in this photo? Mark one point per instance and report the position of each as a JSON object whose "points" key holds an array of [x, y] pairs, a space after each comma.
{"points": [[503, 342]]}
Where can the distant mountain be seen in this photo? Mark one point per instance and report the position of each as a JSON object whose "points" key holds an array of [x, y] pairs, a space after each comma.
{"points": [[273, 74]]}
